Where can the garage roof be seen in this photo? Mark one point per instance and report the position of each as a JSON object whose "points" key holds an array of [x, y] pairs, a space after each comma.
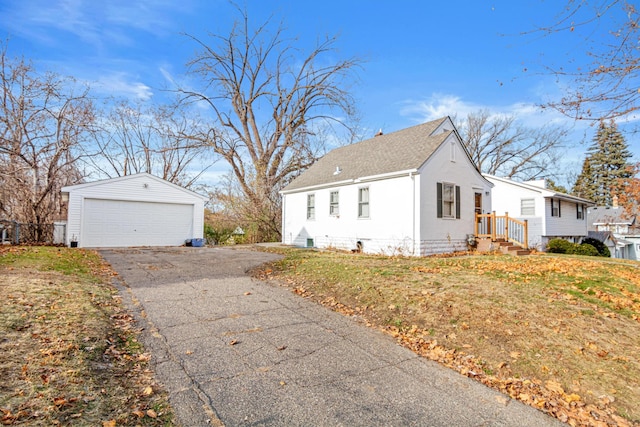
{"points": [[110, 181]]}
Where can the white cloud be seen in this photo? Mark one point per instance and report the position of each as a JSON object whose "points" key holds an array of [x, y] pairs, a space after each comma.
{"points": [[119, 85], [439, 105], [96, 23]]}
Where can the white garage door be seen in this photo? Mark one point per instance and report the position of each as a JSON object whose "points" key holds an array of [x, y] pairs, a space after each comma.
{"points": [[123, 223]]}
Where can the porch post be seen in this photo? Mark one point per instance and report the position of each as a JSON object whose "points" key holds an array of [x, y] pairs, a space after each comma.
{"points": [[493, 226], [475, 226], [506, 226], [526, 234]]}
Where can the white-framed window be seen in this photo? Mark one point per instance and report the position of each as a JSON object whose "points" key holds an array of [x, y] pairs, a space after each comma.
{"points": [[527, 207], [363, 202], [452, 151], [311, 206], [579, 211], [555, 208], [447, 200], [334, 203]]}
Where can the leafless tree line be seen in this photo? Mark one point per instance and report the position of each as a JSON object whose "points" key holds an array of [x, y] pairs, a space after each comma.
{"points": [[52, 134]]}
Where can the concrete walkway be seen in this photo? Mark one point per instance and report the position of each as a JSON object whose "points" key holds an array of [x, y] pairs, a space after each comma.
{"points": [[235, 351]]}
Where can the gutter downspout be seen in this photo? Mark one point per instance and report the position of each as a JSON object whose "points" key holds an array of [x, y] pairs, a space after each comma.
{"points": [[413, 213]]}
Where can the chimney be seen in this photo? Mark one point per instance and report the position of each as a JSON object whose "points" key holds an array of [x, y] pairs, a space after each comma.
{"points": [[379, 132], [614, 201]]}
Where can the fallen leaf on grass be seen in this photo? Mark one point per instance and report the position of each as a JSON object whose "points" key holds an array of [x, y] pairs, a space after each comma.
{"points": [[515, 354], [572, 398], [148, 391], [152, 414], [555, 386], [138, 413], [110, 423]]}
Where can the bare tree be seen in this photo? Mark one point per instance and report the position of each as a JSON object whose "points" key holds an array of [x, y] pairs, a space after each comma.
{"points": [[607, 86], [136, 139], [43, 120], [268, 100], [499, 145]]}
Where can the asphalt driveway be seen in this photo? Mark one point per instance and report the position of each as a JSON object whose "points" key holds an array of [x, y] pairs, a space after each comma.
{"points": [[235, 351]]}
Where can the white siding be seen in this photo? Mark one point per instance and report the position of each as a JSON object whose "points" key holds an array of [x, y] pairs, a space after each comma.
{"points": [[132, 188], [440, 235], [567, 225], [389, 228], [506, 199]]}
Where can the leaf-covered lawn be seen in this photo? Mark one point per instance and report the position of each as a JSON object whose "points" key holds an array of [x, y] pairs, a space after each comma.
{"points": [[560, 333], [68, 352]]}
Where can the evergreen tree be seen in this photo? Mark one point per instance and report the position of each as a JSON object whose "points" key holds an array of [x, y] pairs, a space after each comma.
{"points": [[551, 185], [584, 186], [606, 170]]}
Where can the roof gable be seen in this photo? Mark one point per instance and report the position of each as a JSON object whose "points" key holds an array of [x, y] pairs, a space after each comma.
{"points": [[403, 150]]}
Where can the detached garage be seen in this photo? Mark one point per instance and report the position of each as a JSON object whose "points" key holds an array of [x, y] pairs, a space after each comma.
{"points": [[133, 210]]}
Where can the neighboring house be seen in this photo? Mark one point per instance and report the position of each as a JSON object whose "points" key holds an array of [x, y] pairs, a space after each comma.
{"points": [[133, 210], [549, 214], [623, 241], [610, 218], [618, 247], [411, 192]]}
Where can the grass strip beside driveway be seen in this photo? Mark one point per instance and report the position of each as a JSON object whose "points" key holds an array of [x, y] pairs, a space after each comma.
{"points": [[559, 333], [69, 353]]}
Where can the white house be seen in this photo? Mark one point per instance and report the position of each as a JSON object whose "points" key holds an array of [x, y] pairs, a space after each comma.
{"points": [[613, 222], [549, 214], [133, 210], [412, 192]]}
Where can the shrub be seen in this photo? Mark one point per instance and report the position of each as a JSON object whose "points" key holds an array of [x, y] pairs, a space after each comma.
{"points": [[602, 249], [218, 236], [560, 246], [585, 249]]}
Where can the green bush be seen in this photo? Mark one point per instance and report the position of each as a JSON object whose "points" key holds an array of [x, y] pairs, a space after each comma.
{"points": [[560, 246], [603, 250], [585, 249], [218, 236]]}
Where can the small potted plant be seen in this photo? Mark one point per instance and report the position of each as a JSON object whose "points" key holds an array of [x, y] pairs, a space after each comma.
{"points": [[74, 241]]}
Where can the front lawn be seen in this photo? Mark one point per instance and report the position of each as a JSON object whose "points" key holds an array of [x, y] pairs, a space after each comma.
{"points": [[69, 353], [560, 333]]}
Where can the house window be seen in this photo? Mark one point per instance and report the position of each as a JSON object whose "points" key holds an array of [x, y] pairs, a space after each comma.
{"points": [[555, 208], [452, 153], [363, 202], [527, 207], [580, 211], [448, 200], [334, 204], [311, 206]]}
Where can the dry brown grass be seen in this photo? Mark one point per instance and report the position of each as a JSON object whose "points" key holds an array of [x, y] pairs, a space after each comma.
{"points": [[557, 332], [68, 351]]}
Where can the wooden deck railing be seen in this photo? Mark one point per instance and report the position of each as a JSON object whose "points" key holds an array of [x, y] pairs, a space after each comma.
{"points": [[502, 227]]}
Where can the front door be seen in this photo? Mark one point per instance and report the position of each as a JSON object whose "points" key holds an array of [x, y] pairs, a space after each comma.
{"points": [[478, 203]]}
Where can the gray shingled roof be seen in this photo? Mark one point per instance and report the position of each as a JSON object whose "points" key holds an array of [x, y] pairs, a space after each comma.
{"points": [[609, 215], [397, 151]]}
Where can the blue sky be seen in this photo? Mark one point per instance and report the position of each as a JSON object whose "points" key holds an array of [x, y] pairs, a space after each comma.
{"points": [[424, 59]]}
